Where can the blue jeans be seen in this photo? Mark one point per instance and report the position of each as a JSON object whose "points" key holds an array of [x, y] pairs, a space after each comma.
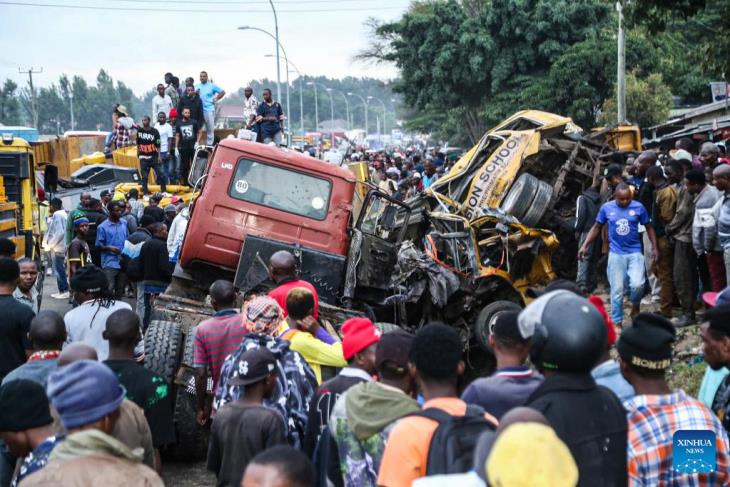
{"points": [[59, 269], [169, 164], [623, 268]]}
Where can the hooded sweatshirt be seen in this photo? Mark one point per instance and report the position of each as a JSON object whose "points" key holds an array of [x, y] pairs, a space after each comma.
{"points": [[79, 458], [586, 210], [360, 424]]}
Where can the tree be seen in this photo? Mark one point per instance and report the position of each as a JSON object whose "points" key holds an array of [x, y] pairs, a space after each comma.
{"points": [[488, 59], [9, 105], [648, 101], [703, 20]]}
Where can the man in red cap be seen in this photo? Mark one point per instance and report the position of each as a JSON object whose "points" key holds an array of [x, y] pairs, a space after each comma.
{"points": [[359, 341], [608, 373]]}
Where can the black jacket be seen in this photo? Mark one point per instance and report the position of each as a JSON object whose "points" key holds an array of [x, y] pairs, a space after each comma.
{"points": [[155, 261], [586, 210], [140, 235], [591, 421], [195, 105]]}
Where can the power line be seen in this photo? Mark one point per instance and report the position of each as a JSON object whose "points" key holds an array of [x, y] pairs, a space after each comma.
{"points": [[202, 3], [179, 10]]}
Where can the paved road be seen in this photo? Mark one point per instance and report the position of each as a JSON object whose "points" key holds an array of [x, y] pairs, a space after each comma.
{"points": [[189, 474]]}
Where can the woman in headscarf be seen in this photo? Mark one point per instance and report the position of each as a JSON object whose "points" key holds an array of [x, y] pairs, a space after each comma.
{"points": [[296, 382]]}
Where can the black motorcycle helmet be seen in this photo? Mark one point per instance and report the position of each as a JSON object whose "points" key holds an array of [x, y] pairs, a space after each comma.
{"points": [[567, 331]]}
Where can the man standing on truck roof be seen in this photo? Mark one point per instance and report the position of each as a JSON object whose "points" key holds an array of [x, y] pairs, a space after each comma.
{"points": [[172, 89], [283, 272], [78, 212], [192, 101], [122, 131], [148, 150], [161, 102], [250, 107], [210, 93], [186, 135], [270, 117], [167, 146]]}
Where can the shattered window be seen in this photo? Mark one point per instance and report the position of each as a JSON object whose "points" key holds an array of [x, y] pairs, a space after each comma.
{"points": [[381, 219], [281, 189]]}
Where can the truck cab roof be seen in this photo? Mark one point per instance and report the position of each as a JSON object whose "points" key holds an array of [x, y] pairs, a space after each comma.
{"points": [[288, 157]]}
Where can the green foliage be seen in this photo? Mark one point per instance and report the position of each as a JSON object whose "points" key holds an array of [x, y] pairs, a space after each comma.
{"points": [[648, 101], [687, 377], [9, 105], [469, 64]]}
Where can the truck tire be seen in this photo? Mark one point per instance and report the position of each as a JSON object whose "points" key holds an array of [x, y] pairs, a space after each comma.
{"points": [[520, 196], [192, 439], [486, 319], [539, 204], [162, 346]]}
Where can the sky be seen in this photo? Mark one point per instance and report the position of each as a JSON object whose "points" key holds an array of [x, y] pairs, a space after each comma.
{"points": [[321, 37]]}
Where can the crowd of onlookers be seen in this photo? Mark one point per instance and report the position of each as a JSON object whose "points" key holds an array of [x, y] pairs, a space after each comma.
{"points": [[166, 138], [135, 246], [580, 395], [662, 222], [403, 173], [571, 401]]}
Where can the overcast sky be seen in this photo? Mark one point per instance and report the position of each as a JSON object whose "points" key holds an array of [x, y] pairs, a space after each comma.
{"points": [[138, 47]]}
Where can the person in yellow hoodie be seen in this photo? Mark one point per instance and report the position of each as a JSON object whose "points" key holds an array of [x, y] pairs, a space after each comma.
{"points": [[321, 351]]}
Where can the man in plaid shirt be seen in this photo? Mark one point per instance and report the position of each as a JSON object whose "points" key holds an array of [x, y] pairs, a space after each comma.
{"points": [[656, 412]]}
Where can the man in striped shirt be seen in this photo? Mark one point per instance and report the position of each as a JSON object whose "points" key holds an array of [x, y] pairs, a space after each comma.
{"points": [[656, 413], [215, 339]]}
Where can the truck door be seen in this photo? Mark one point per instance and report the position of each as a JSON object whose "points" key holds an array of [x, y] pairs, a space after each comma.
{"points": [[379, 231]]}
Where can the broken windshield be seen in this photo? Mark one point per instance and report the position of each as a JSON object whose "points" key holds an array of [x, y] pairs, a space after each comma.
{"points": [[281, 189]]}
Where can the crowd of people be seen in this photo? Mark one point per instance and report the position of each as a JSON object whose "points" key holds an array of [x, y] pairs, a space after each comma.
{"points": [[166, 147], [571, 402], [135, 246], [664, 226]]}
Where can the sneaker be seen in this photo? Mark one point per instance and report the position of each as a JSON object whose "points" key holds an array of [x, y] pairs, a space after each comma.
{"points": [[63, 295], [49, 272], [646, 300]]}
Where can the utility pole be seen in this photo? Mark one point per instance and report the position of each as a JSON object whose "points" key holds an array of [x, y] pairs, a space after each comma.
{"points": [[71, 101], [621, 71], [33, 100]]}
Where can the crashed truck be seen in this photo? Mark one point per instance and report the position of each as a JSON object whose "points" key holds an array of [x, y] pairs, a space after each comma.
{"points": [[463, 252]]}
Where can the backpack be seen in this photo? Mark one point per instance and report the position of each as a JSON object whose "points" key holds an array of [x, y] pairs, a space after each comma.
{"points": [[455, 439]]}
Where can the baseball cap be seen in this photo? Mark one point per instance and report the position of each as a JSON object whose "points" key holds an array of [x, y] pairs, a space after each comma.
{"points": [[173, 113], [612, 171], [171, 208], [713, 299], [253, 366], [393, 350]]}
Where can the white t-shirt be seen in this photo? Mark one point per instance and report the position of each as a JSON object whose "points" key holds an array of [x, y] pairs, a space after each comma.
{"points": [[165, 134], [86, 323]]}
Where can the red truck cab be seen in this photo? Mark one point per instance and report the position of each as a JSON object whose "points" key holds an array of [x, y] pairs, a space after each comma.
{"points": [[256, 199]]}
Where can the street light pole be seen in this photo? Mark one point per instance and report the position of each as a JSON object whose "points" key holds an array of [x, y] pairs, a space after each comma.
{"points": [[316, 106], [71, 101], [332, 115], [365, 106], [278, 44], [621, 71], [347, 108], [384, 111]]}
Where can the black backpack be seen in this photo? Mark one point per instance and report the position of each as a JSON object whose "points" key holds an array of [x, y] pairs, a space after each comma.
{"points": [[455, 439]]}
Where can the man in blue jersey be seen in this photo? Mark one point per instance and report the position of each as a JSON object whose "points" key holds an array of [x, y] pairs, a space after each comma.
{"points": [[625, 257]]}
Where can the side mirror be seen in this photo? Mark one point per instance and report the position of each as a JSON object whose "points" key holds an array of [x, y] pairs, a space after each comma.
{"points": [[199, 166], [50, 178]]}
